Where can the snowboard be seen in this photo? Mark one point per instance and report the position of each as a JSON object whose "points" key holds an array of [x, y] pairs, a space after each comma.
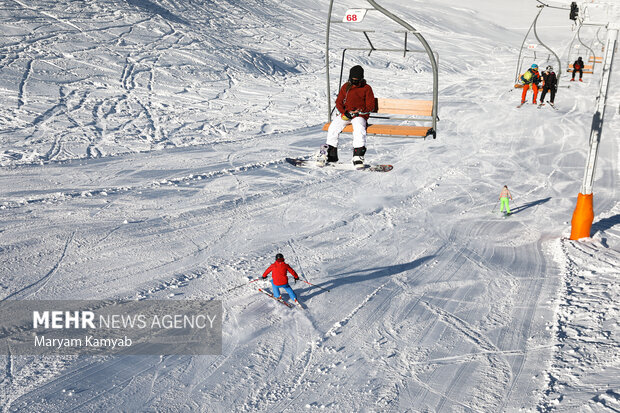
{"points": [[312, 163]]}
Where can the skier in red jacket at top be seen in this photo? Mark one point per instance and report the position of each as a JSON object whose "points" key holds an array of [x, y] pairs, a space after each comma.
{"points": [[355, 100], [279, 279]]}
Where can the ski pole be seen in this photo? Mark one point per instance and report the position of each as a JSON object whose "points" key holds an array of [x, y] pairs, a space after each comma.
{"points": [[495, 206], [315, 285]]}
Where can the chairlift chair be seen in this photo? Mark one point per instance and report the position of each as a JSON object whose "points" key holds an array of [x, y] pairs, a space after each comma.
{"points": [[393, 110]]}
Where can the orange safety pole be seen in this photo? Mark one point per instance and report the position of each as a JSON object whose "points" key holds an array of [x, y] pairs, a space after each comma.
{"points": [[583, 216]]}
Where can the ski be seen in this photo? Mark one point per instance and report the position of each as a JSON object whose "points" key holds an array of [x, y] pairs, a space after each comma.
{"points": [[550, 104], [311, 163], [289, 305], [523, 103]]}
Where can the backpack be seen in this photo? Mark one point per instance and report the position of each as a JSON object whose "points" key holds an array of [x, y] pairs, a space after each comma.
{"points": [[527, 77]]}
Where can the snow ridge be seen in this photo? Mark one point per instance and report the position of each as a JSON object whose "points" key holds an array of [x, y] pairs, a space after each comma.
{"points": [[585, 373]]}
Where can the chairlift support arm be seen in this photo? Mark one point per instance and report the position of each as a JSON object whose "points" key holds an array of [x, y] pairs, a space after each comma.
{"points": [[587, 47], [522, 44], [559, 71], [533, 27]]}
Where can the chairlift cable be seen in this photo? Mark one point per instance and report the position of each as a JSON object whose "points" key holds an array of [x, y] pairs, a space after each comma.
{"points": [[553, 7]]}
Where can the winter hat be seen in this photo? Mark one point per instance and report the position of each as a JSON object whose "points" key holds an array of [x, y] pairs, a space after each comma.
{"points": [[356, 72], [279, 257]]}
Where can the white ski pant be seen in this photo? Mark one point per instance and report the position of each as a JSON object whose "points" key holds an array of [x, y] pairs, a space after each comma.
{"points": [[338, 124]]}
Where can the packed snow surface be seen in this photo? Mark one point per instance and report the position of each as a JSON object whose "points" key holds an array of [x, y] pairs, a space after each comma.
{"points": [[142, 156]]}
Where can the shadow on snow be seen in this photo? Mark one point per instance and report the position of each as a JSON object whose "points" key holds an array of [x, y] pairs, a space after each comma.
{"points": [[529, 205], [151, 7], [353, 277], [605, 224]]}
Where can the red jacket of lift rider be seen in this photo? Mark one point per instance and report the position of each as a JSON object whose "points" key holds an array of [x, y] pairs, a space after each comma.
{"points": [[357, 97]]}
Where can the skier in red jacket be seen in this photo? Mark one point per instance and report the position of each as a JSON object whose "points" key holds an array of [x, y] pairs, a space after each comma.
{"points": [[279, 279], [355, 100]]}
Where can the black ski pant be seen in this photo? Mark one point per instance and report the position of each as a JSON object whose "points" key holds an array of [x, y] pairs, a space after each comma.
{"points": [[580, 73], [551, 91]]}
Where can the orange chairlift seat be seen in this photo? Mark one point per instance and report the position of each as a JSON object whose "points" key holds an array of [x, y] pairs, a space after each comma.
{"points": [[421, 109], [586, 68]]}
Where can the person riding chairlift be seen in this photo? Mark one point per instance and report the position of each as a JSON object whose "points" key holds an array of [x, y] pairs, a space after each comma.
{"points": [[354, 102], [550, 84], [530, 77], [578, 67]]}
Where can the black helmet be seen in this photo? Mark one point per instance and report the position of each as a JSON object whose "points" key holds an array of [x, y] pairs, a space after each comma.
{"points": [[279, 257], [356, 72]]}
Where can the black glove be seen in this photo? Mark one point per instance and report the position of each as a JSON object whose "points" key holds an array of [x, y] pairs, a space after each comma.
{"points": [[296, 280]]}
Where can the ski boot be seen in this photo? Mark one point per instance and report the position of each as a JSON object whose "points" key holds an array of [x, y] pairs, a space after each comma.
{"points": [[327, 153], [321, 157], [358, 157], [332, 154]]}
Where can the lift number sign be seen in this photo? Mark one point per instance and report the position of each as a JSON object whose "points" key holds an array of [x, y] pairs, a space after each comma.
{"points": [[354, 15]]}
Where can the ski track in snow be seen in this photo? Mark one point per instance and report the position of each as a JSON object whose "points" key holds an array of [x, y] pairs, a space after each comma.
{"points": [[32, 289], [142, 157]]}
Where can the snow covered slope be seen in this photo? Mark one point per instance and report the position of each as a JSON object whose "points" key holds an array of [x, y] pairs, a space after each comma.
{"points": [[143, 147]]}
